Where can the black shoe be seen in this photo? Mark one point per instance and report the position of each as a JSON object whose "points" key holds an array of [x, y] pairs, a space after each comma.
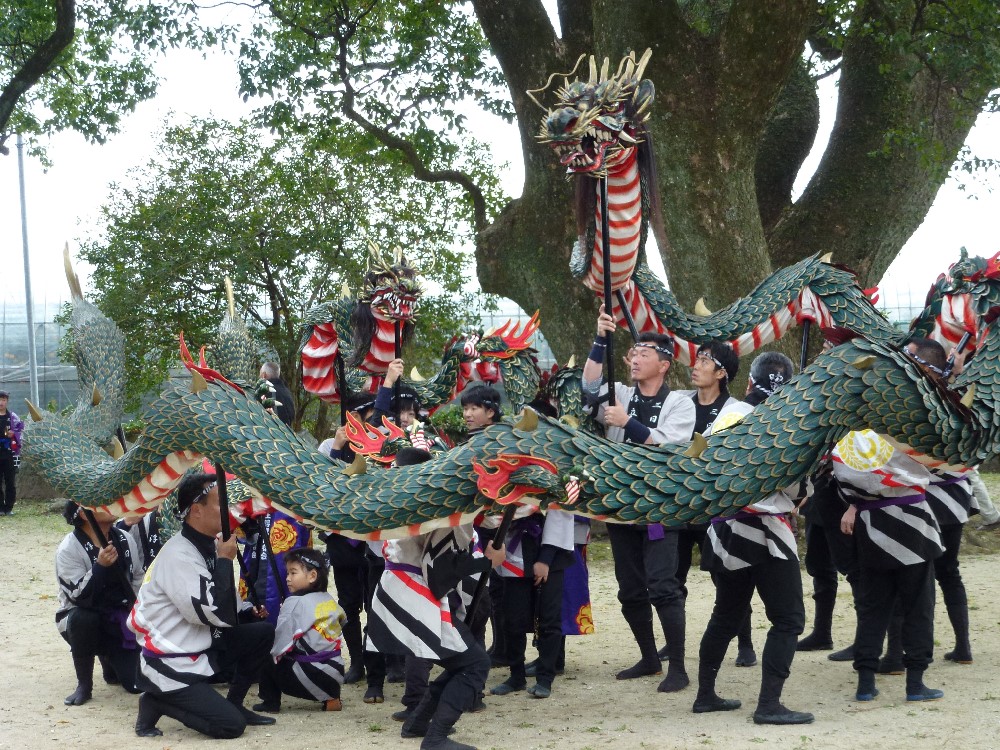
{"points": [[149, 714], [781, 715], [959, 657], [815, 642], [507, 687], [81, 695], [675, 681], [640, 669], [538, 690], [714, 703], [374, 694], [256, 720], [746, 657], [355, 674], [845, 654], [478, 704], [268, 708], [403, 715]]}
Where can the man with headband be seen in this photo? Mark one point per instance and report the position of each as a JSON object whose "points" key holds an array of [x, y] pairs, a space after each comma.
{"points": [[187, 606], [646, 556]]}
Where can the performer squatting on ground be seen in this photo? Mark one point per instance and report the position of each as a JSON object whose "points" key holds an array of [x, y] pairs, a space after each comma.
{"points": [[754, 550], [418, 610], [94, 601], [305, 658], [646, 556], [714, 368], [186, 599], [10, 454]]}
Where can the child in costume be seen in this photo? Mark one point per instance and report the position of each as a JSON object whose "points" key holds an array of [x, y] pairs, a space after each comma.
{"points": [[306, 661]]}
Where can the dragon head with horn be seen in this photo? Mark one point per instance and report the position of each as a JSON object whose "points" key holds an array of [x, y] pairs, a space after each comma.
{"points": [[598, 122]]}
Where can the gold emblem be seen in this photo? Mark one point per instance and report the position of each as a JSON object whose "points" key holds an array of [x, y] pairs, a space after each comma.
{"points": [[864, 450]]}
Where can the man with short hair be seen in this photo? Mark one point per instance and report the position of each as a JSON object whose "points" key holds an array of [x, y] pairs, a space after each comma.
{"points": [[187, 605], [645, 557], [10, 454]]}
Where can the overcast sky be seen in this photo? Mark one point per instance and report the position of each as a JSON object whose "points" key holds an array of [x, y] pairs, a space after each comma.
{"points": [[63, 203]]}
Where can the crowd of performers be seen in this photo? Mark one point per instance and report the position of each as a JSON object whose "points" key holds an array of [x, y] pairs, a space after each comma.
{"points": [[167, 621]]}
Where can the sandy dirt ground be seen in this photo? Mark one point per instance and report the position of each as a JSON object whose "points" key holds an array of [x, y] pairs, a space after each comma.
{"points": [[588, 708]]}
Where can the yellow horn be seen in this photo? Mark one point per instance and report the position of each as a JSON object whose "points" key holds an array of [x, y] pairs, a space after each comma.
{"points": [[572, 361], [697, 447], [828, 258], [416, 376], [528, 421], [198, 382], [115, 449], [969, 396], [701, 309], [95, 396], [864, 363], [593, 69], [36, 416], [358, 466], [71, 277], [229, 298]]}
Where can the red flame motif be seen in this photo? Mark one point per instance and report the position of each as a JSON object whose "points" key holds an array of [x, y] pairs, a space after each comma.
{"points": [[202, 367], [493, 479], [366, 440], [514, 339], [992, 270]]}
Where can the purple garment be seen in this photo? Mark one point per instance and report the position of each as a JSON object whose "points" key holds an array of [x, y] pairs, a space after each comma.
{"points": [[655, 532], [17, 426]]}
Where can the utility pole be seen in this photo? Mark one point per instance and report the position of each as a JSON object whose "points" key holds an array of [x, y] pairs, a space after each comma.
{"points": [[29, 308]]}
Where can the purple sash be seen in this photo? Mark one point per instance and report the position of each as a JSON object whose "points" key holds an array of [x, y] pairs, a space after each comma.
{"points": [[655, 532], [318, 657], [404, 568], [522, 527], [120, 618], [890, 501]]}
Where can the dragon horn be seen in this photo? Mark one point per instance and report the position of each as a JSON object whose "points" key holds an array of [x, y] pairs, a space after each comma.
{"points": [[826, 258], [697, 447], [641, 67], [95, 396], [115, 449], [229, 297], [572, 361], [416, 376], [626, 67], [345, 291], [604, 69], [528, 421], [36, 416], [969, 396], [358, 466], [397, 255], [701, 309], [593, 70], [71, 277], [864, 363], [198, 382]]}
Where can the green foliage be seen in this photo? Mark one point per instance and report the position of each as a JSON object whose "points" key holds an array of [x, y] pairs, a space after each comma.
{"points": [[286, 222], [103, 73], [449, 420]]}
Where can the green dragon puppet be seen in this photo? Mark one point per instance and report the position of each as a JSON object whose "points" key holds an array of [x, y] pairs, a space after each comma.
{"points": [[860, 384]]}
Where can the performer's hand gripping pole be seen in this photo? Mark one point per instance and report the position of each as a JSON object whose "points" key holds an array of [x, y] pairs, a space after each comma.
{"points": [[498, 539], [103, 541]]}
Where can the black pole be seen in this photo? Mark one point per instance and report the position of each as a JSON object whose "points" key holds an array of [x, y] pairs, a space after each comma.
{"points": [[103, 541], [629, 320], [397, 384], [498, 538], [950, 364], [220, 482], [271, 559], [805, 344], [251, 591], [609, 338], [338, 362]]}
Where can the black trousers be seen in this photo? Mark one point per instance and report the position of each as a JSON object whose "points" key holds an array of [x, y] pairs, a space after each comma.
{"points": [[946, 567], [245, 648], [688, 537], [90, 634], [819, 562], [350, 576], [463, 678], [280, 679], [8, 487], [646, 570], [877, 593], [530, 608], [779, 584]]}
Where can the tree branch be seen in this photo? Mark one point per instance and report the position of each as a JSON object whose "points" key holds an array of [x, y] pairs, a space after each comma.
{"points": [[37, 65]]}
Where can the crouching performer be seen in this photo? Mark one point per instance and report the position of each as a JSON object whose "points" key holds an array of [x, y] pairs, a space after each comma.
{"points": [[187, 624], [417, 609]]}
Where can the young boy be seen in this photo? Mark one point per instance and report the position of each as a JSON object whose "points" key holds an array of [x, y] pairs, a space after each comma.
{"points": [[307, 639]]}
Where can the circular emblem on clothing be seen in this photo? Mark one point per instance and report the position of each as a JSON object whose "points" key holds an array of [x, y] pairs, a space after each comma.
{"points": [[585, 620], [864, 451], [283, 536], [244, 591], [325, 619]]}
